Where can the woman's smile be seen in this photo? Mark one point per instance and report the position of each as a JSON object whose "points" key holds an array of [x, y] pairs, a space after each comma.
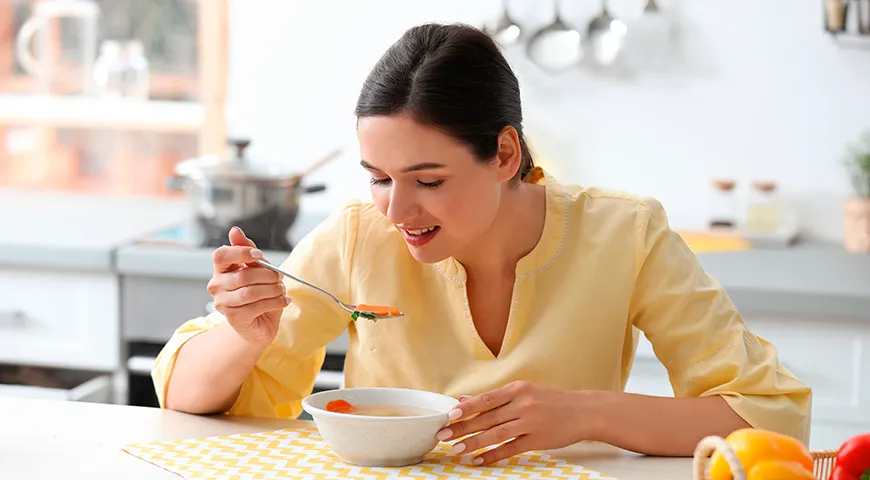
{"points": [[418, 237]]}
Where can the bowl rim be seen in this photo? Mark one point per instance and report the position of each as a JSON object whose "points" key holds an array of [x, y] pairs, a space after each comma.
{"points": [[311, 409]]}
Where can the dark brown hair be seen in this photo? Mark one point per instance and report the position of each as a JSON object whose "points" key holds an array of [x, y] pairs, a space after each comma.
{"points": [[453, 78]]}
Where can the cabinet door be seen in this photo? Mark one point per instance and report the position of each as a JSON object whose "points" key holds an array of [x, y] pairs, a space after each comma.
{"points": [[63, 319]]}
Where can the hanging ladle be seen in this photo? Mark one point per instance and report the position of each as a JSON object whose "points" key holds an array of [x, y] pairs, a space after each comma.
{"points": [[504, 30], [556, 46], [604, 37]]}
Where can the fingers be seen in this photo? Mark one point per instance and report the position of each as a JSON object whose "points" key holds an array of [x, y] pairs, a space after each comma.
{"points": [[247, 276], [254, 310], [249, 294], [516, 446], [483, 402], [499, 433], [476, 424], [228, 258], [238, 238]]}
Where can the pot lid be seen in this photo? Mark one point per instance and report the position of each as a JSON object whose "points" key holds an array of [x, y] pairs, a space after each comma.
{"points": [[235, 166]]}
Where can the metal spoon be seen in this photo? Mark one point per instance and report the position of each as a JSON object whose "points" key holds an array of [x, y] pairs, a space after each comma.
{"points": [[604, 37], [349, 308], [504, 29], [556, 46]]}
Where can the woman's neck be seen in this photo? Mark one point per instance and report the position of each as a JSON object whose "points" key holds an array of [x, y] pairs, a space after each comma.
{"points": [[514, 233]]}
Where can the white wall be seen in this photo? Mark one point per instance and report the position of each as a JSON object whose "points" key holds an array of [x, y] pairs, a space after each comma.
{"points": [[760, 92]]}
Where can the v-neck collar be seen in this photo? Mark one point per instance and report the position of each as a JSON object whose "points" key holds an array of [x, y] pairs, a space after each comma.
{"points": [[547, 248]]}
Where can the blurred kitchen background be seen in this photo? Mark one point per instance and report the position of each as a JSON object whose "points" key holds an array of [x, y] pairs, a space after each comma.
{"points": [[133, 134]]}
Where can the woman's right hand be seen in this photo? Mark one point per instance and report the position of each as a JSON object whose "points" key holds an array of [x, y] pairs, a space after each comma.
{"points": [[249, 296]]}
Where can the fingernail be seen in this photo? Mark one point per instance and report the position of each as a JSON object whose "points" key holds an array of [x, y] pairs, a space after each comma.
{"points": [[288, 300], [463, 398], [256, 253], [458, 448], [477, 461], [235, 229], [444, 434], [454, 414]]}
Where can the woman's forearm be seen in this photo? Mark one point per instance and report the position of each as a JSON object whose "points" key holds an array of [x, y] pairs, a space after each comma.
{"points": [[660, 426], [209, 371]]}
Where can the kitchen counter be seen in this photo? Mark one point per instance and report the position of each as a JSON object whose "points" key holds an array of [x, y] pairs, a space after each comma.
{"points": [[77, 231], [48, 439], [809, 279], [97, 232]]}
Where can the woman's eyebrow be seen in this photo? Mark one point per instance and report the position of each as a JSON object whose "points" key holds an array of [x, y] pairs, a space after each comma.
{"points": [[413, 168]]}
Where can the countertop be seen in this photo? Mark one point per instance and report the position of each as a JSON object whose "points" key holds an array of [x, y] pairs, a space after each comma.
{"points": [[97, 232], [77, 231], [53, 439]]}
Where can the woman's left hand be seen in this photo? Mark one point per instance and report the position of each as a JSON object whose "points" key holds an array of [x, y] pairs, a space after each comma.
{"points": [[534, 416]]}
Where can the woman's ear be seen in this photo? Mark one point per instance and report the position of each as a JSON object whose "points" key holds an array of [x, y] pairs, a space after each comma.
{"points": [[509, 156]]}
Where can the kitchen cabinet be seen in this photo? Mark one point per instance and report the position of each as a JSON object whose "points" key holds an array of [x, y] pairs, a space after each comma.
{"points": [[59, 318], [824, 352]]}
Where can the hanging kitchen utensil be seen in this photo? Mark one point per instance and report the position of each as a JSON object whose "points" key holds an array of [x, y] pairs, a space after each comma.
{"points": [[557, 46], [504, 30], [648, 41], [604, 38]]}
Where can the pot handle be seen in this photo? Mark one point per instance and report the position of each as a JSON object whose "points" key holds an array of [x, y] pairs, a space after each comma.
{"points": [[314, 188]]}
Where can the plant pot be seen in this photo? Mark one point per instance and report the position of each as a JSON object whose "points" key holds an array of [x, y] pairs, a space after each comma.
{"points": [[856, 224]]}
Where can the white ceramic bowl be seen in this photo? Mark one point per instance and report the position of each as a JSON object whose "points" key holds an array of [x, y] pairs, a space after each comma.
{"points": [[375, 441]]}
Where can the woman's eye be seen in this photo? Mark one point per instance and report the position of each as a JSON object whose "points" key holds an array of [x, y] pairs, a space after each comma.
{"points": [[434, 184], [380, 181]]}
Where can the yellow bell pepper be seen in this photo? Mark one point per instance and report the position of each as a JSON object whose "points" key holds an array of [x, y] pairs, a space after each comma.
{"points": [[764, 454]]}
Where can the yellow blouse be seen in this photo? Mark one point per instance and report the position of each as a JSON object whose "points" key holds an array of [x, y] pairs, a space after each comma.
{"points": [[606, 268]]}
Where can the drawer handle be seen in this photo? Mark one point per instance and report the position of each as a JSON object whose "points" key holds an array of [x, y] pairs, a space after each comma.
{"points": [[14, 318]]}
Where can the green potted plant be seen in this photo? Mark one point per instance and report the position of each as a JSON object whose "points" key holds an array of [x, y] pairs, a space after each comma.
{"points": [[857, 207]]}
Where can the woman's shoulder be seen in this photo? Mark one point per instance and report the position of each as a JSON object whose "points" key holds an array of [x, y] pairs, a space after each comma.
{"points": [[610, 205]]}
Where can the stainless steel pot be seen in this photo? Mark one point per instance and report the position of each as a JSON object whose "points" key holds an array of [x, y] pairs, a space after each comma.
{"points": [[231, 191]]}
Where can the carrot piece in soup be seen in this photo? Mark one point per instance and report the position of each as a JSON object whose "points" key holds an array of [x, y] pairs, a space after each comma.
{"points": [[377, 310], [340, 406]]}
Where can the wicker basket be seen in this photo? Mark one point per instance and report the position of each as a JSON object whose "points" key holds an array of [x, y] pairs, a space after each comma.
{"points": [[823, 460]]}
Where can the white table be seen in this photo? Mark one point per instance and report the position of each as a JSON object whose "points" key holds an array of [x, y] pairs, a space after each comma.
{"points": [[52, 439]]}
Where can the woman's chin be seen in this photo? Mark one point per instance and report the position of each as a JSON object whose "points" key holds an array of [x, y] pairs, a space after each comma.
{"points": [[427, 254]]}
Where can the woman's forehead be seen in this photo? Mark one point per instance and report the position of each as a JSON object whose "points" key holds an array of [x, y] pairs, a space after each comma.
{"points": [[396, 141]]}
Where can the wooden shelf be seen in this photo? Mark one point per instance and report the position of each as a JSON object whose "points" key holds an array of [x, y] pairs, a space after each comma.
{"points": [[105, 113]]}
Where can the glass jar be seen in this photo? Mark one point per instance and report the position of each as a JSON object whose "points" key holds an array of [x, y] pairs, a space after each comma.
{"points": [[122, 70], [723, 207], [764, 212], [136, 73], [109, 70]]}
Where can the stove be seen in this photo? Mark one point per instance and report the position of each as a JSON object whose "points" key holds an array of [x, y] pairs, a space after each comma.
{"points": [[195, 234]]}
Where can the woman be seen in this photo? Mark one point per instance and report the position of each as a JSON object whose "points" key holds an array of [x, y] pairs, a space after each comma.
{"points": [[523, 297]]}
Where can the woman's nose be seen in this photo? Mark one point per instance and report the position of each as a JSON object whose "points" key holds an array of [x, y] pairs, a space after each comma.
{"points": [[403, 205]]}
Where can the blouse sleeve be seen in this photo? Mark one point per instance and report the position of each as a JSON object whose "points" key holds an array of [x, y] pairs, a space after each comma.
{"points": [[701, 339], [287, 369]]}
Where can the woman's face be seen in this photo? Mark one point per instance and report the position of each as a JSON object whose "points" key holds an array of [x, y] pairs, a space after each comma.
{"points": [[431, 187]]}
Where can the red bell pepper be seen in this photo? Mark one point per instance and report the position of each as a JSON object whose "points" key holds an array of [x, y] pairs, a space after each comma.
{"points": [[853, 459]]}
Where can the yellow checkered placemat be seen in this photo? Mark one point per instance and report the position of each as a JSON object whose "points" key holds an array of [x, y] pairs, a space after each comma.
{"points": [[302, 453]]}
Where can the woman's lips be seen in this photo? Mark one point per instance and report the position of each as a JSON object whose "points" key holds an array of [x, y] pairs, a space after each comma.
{"points": [[418, 237]]}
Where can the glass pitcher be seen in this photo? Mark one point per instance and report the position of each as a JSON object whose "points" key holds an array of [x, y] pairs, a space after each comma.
{"points": [[64, 36]]}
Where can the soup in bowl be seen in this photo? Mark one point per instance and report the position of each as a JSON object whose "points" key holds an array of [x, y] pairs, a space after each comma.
{"points": [[379, 427]]}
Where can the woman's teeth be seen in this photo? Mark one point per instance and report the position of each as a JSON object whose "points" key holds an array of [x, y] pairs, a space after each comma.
{"points": [[421, 231]]}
